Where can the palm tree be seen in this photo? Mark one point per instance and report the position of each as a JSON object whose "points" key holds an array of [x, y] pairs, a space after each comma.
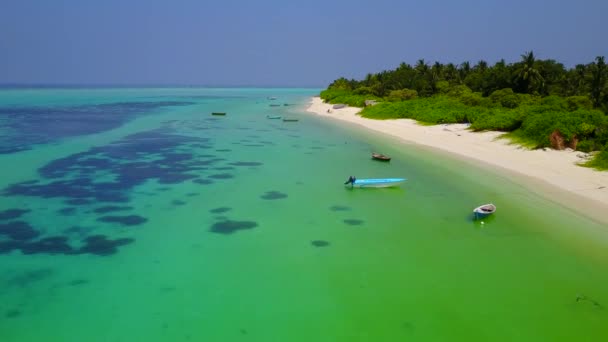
{"points": [[481, 66], [598, 80], [451, 73], [528, 77], [421, 67], [464, 70]]}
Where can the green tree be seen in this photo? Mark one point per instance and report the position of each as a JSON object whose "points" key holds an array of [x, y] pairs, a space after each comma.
{"points": [[528, 78], [598, 80]]}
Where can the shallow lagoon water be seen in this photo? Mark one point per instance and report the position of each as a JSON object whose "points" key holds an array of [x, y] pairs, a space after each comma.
{"points": [[170, 224]]}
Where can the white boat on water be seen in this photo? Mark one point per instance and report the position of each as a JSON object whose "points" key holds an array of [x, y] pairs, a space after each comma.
{"points": [[484, 210], [374, 182]]}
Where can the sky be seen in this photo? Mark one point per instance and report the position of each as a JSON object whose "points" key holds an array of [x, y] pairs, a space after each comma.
{"points": [[280, 43]]}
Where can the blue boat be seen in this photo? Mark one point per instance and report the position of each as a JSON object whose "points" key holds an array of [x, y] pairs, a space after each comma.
{"points": [[484, 211], [374, 182]]}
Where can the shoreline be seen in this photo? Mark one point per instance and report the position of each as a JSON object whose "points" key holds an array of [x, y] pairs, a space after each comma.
{"points": [[584, 189]]}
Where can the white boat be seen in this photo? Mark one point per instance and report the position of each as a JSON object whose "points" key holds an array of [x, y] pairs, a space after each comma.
{"points": [[484, 210], [374, 182]]}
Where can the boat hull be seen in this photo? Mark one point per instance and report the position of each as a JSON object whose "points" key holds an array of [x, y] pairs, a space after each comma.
{"points": [[380, 157], [484, 211], [377, 183]]}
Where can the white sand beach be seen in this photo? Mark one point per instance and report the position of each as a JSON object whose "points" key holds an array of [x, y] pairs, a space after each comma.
{"points": [[586, 189]]}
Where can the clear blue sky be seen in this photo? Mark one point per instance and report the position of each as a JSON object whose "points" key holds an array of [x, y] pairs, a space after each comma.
{"points": [[280, 43]]}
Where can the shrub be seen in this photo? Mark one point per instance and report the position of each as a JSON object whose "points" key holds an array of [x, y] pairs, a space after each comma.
{"points": [[586, 146], [499, 119], [578, 102], [363, 91], [346, 97], [600, 161], [506, 98], [402, 95]]}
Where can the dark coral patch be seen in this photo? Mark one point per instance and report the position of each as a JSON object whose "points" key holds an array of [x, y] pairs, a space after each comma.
{"points": [[49, 245], [224, 150], [202, 181], [320, 243], [223, 168], [220, 210], [77, 230], [339, 208], [12, 313], [221, 176], [353, 222], [78, 282], [192, 194], [78, 201], [36, 124], [29, 277], [178, 202], [10, 214], [18, 230], [9, 246], [67, 211], [128, 220], [242, 163], [127, 162], [101, 245], [273, 195], [229, 226], [111, 208]]}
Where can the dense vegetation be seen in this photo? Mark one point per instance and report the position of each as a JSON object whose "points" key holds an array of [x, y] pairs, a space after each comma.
{"points": [[539, 102]]}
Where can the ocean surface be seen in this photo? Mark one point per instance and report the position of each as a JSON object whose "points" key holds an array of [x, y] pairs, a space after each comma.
{"points": [[136, 215]]}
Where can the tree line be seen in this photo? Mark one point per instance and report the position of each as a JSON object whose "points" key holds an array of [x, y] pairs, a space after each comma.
{"points": [[528, 76]]}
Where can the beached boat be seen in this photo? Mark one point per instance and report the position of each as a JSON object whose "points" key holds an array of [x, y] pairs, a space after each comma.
{"points": [[339, 106], [273, 116], [218, 113], [374, 182], [484, 211], [290, 120], [381, 157]]}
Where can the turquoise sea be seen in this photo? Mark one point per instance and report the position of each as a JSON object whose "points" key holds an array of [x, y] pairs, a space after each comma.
{"points": [[136, 215]]}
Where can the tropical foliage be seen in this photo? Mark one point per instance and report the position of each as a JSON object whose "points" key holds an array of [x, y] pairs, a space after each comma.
{"points": [[531, 99]]}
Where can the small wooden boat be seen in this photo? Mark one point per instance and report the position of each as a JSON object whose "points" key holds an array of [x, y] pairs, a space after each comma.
{"points": [[381, 157], [273, 116], [275, 105], [290, 120], [484, 211], [218, 113], [374, 182], [271, 98]]}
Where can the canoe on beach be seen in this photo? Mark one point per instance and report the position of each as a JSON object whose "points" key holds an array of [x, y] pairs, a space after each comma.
{"points": [[218, 113]]}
